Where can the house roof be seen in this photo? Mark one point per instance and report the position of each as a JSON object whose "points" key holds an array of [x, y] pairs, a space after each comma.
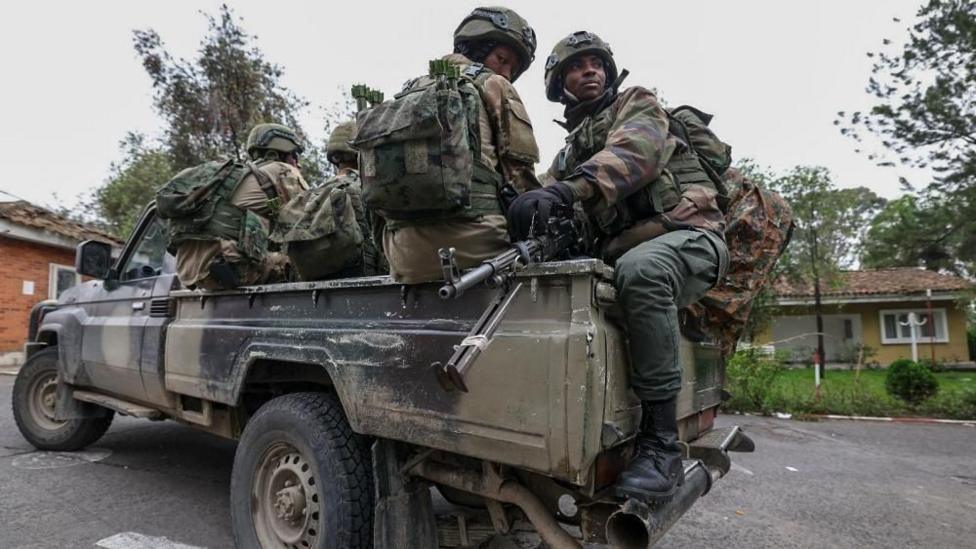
{"points": [[25, 214], [897, 281]]}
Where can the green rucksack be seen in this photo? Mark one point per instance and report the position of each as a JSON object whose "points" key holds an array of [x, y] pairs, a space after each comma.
{"points": [[420, 153], [320, 231], [196, 204], [715, 156]]}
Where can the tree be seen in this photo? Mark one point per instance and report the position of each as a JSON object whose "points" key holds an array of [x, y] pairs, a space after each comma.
{"points": [[210, 104], [925, 114], [830, 226], [208, 107], [132, 183], [914, 231]]}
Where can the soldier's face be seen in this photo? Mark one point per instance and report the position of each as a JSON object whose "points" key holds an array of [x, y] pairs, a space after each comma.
{"points": [[585, 77], [503, 61]]}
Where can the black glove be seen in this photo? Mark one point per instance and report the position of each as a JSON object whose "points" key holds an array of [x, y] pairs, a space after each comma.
{"points": [[537, 205]]}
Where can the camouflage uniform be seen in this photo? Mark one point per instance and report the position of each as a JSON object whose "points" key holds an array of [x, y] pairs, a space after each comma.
{"points": [[507, 145], [759, 226], [617, 154], [326, 231], [195, 258], [652, 199]]}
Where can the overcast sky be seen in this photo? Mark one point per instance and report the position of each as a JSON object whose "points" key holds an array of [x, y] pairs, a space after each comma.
{"points": [[773, 72]]}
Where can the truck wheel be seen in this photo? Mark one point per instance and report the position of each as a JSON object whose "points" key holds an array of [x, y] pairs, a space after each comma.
{"points": [[302, 478], [33, 404]]}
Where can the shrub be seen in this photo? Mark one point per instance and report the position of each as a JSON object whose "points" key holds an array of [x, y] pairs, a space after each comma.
{"points": [[750, 377], [910, 381]]}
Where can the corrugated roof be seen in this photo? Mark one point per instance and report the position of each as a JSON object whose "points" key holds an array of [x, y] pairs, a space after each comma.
{"points": [[893, 281], [28, 215]]}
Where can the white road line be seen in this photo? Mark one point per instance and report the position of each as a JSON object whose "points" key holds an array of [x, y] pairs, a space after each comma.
{"points": [[135, 540], [742, 469]]}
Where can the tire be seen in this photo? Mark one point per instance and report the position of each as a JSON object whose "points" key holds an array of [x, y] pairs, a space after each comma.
{"points": [[33, 404], [302, 478]]}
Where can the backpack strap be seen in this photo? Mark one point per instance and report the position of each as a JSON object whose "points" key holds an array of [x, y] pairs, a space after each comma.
{"points": [[267, 185]]}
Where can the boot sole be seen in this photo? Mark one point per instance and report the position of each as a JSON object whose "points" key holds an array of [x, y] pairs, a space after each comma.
{"points": [[646, 496]]}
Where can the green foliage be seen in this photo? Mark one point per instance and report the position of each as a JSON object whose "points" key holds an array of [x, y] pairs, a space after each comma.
{"points": [[925, 116], [211, 103], [131, 184], [911, 381], [750, 376], [863, 394]]}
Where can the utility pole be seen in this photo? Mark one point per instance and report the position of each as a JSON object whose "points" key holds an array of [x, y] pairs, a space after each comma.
{"points": [[928, 301], [817, 307]]}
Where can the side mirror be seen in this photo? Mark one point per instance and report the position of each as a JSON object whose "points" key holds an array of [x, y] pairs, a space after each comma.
{"points": [[93, 258]]}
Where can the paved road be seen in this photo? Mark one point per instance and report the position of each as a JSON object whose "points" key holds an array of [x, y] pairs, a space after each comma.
{"points": [[830, 484]]}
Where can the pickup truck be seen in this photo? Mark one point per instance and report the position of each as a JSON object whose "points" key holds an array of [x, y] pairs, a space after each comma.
{"points": [[343, 426]]}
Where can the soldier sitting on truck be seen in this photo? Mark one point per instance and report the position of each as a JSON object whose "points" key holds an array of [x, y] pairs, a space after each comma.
{"points": [[219, 212], [651, 199], [446, 191], [326, 231]]}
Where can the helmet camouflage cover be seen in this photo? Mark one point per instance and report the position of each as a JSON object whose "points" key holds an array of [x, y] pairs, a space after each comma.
{"points": [[502, 25], [339, 140], [574, 45], [275, 137]]}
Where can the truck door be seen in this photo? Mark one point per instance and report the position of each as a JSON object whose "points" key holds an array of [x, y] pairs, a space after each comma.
{"points": [[113, 359]]}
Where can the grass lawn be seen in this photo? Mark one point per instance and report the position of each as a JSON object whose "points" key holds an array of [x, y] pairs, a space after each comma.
{"points": [[842, 392]]}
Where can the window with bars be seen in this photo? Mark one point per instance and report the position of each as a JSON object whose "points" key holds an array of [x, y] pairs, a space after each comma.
{"points": [[895, 328]]}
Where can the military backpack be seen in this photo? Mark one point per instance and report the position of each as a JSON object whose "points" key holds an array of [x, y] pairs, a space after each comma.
{"points": [[321, 230], [196, 204], [419, 153]]}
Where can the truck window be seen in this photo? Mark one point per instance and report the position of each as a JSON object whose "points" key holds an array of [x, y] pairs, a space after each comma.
{"points": [[149, 257]]}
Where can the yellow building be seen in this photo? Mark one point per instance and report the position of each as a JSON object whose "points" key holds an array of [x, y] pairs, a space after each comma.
{"points": [[870, 310]]}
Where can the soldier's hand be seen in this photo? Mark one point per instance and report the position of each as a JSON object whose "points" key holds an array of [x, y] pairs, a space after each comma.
{"points": [[536, 206]]}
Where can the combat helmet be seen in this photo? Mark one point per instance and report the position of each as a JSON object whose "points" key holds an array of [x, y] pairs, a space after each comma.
{"points": [[502, 25], [274, 137], [339, 141], [574, 45]]}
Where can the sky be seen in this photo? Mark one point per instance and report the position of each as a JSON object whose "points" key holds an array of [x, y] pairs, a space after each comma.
{"points": [[773, 72]]}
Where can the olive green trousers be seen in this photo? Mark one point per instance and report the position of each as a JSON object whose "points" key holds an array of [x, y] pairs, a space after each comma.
{"points": [[654, 279]]}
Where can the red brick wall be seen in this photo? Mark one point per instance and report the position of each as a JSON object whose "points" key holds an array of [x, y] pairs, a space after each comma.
{"points": [[20, 261]]}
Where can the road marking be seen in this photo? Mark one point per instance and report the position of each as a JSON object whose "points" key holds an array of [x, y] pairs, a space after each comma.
{"points": [[57, 460], [793, 469], [135, 540], [742, 469]]}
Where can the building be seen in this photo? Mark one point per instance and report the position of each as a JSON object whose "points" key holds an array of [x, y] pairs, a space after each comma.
{"points": [[867, 312], [37, 256]]}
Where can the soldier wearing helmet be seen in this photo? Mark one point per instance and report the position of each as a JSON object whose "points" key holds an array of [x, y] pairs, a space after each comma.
{"points": [[493, 46], [657, 217], [219, 264], [327, 228]]}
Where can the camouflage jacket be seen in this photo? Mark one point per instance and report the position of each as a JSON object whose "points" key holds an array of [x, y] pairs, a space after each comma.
{"points": [[616, 161], [508, 145], [194, 258]]}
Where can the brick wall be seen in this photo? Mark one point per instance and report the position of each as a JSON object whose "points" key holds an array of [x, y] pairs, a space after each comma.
{"points": [[23, 261]]}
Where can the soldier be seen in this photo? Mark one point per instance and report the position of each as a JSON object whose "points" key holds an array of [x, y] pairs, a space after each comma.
{"points": [[492, 47], [326, 230], [216, 262], [658, 219]]}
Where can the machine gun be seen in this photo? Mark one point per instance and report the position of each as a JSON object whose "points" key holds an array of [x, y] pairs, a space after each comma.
{"points": [[559, 234]]}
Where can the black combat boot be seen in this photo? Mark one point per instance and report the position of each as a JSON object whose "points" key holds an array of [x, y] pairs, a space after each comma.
{"points": [[655, 472]]}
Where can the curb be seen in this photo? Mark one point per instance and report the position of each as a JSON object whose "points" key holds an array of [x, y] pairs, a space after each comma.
{"points": [[9, 371], [914, 420]]}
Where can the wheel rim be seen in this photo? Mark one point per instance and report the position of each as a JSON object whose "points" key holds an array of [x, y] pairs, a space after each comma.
{"points": [[42, 397], [285, 504]]}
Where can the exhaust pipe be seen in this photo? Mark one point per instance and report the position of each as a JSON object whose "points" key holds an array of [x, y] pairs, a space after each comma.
{"points": [[638, 526]]}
